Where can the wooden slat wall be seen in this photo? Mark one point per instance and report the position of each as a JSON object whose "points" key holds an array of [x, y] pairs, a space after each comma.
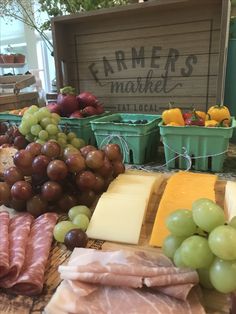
{"points": [[190, 31]]}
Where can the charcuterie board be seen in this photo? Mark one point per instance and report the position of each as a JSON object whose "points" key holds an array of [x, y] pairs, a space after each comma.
{"points": [[10, 304]]}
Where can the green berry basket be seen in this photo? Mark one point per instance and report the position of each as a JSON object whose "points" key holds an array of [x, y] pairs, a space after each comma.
{"points": [[10, 118], [139, 141], [81, 127], [196, 147]]}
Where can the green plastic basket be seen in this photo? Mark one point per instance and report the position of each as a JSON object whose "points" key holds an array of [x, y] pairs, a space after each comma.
{"points": [[10, 118], [139, 142], [194, 147], [81, 127]]}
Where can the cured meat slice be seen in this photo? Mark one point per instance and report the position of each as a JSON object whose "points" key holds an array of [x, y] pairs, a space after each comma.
{"points": [[178, 291], [118, 300], [31, 278], [4, 243], [19, 229], [123, 268]]}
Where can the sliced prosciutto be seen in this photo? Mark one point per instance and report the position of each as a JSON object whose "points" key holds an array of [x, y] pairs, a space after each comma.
{"points": [[19, 229], [31, 278], [117, 300], [124, 268], [4, 243]]}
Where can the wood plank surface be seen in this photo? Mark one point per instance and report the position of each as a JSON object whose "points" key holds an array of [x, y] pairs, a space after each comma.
{"points": [[9, 304]]}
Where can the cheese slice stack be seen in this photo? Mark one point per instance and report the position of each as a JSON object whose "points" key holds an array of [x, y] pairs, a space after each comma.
{"points": [[230, 200], [120, 211], [182, 189]]}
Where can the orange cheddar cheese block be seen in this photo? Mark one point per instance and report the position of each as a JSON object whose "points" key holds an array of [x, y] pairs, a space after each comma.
{"points": [[182, 189]]}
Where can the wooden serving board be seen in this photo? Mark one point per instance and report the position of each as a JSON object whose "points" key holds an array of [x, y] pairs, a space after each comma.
{"points": [[10, 304]]}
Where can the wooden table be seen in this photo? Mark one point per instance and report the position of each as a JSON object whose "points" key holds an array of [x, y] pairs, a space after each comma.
{"points": [[9, 304]]}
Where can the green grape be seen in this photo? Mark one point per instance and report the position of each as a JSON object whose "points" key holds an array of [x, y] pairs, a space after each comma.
{"points": [[232, 222], [62, 142], [30, 137], [180, 223], [62, 135], [32, 109], [61, 229], [171, 244], [43, 135], [32, 119], [70, 136], [195, 252], [223, 275], [79, 209], [24, 128], [54, 121], [204, 278], [35, 129], [222, 242], [178, 259], [44, 122], [77, 143], [52, 129], [207, 215], [43, 113], [81, 221], [40, 141], [56, 117], [52, 137]]}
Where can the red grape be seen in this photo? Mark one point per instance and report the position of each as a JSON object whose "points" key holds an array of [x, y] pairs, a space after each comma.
{"points": [[87, 198], [40, 164], [4, 139], [85, 180], [18, 205], [51, 191], [36, 205], [99, 185], [20, 142], [12, 175], [75, 163], [86, 149], [34, 148], [118, 167], [106, 170], [66, 202], [75, 238], [57, 170], [51, 149], [21, 190], [95, 159], [113, 152], [5, 193], [23, 159]]}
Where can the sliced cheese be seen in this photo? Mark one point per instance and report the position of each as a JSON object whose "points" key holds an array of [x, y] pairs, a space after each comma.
{"points": [[135, 183], [230, 200], [118, 218], [182, 189]]}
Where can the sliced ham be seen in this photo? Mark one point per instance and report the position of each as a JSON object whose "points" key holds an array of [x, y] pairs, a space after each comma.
{"points": [[116, 300], [4, 243], [31, 278], [19, 229]]}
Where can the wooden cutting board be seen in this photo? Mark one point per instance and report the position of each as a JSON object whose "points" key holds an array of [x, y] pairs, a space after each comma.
{"points": [[9, 304]]}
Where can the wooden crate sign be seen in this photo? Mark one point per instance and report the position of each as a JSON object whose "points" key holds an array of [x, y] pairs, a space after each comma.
{"points": [[140, 57]]}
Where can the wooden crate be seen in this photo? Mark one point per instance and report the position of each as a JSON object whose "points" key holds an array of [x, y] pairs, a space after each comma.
{"points": [[139, 57], [13, 101]]}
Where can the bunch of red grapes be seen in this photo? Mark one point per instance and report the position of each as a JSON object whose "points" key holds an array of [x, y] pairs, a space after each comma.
{"points": [[10, 135], [47, 178]]}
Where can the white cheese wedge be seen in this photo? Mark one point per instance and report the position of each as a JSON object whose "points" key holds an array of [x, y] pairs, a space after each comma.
{"points": [[118, 218], [230, 200]]}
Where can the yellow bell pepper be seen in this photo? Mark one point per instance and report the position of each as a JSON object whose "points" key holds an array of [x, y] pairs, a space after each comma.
{"points": [[211, 123], [173, 124], [173, 115], [201, 114], [219, 113]]}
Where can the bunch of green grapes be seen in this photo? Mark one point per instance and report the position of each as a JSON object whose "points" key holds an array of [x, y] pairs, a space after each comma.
{"points": [[40, 125], [201, 239]]}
